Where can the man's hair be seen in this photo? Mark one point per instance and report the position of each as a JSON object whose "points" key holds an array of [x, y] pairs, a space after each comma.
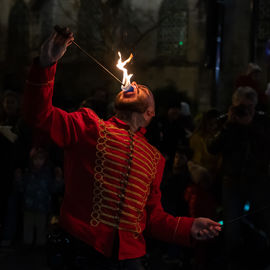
{"points": [[245, 92], [140, 105]]}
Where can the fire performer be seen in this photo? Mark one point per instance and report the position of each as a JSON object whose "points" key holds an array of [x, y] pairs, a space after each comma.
{"points": [[112, 175]]}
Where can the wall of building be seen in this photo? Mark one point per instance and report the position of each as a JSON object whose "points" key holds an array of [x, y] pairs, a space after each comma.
{"points": [[236, 47], [131, 26]]}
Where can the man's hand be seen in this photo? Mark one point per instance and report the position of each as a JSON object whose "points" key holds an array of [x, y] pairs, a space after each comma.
{"points": [[205, 228], [55, 47]]}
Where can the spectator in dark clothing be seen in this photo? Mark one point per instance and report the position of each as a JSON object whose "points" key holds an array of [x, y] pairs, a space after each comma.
{"points": [[243, 142], [173, 187], [198, 194], [8, 119], [58, 194], [201, 202], [14, 143], [175, 133], [207, 126], [98, 102], [37, 185], [186, 118], [172, 131], [154, 133], [173, 201]]}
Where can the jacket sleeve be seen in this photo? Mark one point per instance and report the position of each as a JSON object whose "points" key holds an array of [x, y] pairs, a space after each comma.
{"points": [[162, 225], [64, 128]]}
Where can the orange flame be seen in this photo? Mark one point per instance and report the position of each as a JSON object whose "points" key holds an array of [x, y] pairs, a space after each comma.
{"points": [[121, 65]]}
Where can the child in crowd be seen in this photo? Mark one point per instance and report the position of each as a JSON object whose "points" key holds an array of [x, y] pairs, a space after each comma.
{"points": [[198, 193], [174, 185], [15, 141], [38, 185], [205, 130]]}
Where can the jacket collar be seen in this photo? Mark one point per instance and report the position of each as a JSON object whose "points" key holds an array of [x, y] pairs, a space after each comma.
{"points": [[121, 124]]}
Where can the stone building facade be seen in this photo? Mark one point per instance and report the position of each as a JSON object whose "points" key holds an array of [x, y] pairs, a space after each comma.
{"points": [[169, 40]]}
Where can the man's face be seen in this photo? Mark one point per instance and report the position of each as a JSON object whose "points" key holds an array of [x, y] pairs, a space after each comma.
{"points": [[141, 100]]}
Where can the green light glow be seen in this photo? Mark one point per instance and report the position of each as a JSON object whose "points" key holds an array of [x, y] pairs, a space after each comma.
{"points": [[181, 43]]}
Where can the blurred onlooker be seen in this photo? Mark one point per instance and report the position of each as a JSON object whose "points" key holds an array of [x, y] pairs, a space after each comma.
{"points": [[207, 127], [14, 143], [243, 141], [97, 102], [198, 194], [154, 133], [201, 202], [267, 91], [252, 78], [37, 185], [57, 196], [186, 117], [174, 185], [8, 117], [173, 201], [176, 129], [98, 105]]}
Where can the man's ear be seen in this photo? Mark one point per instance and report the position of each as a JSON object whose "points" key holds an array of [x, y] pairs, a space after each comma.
{"points": [[149, 113]]}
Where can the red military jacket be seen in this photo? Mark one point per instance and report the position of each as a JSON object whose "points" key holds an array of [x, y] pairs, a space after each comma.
{"points": [[112, 175]]}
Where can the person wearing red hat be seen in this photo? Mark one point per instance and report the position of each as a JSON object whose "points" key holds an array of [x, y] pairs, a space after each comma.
{"points": [[252, 78], [112, 174]]}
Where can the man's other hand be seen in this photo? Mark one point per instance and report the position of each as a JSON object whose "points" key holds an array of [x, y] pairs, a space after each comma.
{"points": [[205, 228]]}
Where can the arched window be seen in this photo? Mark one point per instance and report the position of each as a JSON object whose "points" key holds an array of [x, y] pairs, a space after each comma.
{"points": [[18, 33], [46, 14], [263, 20], [90, 21], [173, 29]]}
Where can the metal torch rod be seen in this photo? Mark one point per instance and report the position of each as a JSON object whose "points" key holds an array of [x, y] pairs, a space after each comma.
{"points": [[59, 30], [248, 214]]}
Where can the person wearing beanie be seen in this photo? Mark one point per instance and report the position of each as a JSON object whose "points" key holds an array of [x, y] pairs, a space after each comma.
{"points": [[252, 79]]}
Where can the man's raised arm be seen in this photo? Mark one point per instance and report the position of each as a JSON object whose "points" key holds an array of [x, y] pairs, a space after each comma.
{"points": [[64, 128]]}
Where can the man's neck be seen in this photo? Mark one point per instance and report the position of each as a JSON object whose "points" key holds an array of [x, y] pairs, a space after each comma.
{"points": [[133, 119]]}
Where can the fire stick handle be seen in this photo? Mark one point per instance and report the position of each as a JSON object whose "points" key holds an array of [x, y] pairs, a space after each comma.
{"points": [[59, 30]]}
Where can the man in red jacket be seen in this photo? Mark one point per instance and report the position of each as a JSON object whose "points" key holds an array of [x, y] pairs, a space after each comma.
{"points": [[112, 174]]}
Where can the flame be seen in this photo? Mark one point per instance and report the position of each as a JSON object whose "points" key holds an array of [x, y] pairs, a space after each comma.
{"points": [[121, 66]]}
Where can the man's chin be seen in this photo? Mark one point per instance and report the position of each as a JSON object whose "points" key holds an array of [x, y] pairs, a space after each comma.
{"points": [[130, 106]]}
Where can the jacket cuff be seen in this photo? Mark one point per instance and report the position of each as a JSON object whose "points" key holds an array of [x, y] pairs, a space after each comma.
{"points": [[39, 75], [182, 233]]}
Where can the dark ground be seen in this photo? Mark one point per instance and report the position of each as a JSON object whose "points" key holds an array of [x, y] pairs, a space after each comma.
{"points": [[35, 259]]}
